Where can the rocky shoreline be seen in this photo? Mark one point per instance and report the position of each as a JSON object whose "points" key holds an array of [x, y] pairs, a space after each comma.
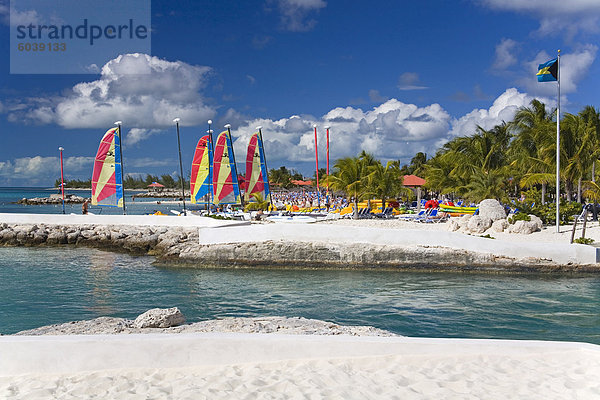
{"points": [[181, 245], [277, 325], [53, 199]]}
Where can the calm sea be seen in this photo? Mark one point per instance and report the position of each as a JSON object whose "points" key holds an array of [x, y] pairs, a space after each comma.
{"points": [[40, 286], [10, 195]]}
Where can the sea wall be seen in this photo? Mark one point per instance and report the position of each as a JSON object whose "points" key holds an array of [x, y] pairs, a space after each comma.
{"points": [[201, 241], [184, 244], [134, 239], [367, 240]]}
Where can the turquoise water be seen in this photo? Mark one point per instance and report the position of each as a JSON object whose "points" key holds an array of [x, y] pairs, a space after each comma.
{"points": [[40, 286], [8, 197]]}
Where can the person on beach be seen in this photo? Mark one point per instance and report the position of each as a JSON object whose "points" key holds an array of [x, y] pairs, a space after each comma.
{"points": [[84, 207]]}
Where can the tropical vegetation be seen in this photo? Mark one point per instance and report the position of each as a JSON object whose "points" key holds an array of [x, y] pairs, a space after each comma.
{"points": [[509, 161], [519, 155]]}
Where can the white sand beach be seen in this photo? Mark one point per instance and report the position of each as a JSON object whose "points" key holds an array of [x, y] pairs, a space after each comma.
{"points": [[548, 234], [275, 366]]}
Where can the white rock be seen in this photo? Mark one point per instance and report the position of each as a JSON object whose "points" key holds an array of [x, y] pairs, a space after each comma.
{"points": [[464, 221], [499, 225], [523, 227], [478, 224], [537, 221], [453, 225], [159, 318], [491, 209]]}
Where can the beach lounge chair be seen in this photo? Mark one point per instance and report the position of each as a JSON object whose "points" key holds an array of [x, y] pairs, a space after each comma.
{"points": [[364, 213], [434, 217], [386, 213], [412, 217]]}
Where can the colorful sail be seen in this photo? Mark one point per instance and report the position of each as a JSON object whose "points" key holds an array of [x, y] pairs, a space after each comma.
{"points": [[226, 189], [107, 178], [256, 169], [202, 168]]}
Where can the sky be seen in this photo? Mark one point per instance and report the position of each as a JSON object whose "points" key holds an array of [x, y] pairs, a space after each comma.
{"points": [[392, 77]]}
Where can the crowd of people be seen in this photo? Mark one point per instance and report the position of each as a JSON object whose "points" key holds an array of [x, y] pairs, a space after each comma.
{"points": [[311, 198], [308, 199]]}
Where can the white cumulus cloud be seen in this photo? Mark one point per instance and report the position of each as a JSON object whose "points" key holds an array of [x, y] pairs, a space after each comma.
{"points": [[141, 90], [555, 15], [503, 109], [42, 170], [392, 130]]}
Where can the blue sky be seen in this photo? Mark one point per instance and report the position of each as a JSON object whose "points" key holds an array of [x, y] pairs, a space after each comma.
{"points": [[391, 77]]}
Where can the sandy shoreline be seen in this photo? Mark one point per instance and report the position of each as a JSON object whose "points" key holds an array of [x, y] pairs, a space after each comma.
{"points": [[232, 366]]}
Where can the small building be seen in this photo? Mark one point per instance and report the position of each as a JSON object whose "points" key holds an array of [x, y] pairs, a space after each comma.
{"points": [[301, 183], [415, 183], [156, 187]]}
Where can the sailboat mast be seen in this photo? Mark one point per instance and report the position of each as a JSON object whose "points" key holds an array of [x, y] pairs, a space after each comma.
{"points": [[211, 150], [118, 123], [176, 120], [234, 178], [262, 149]]}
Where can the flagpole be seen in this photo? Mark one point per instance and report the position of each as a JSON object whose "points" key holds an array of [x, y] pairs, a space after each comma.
{"points": [[317, 162], [176, 120], [118, 123], [62, 179], [558, 147]]}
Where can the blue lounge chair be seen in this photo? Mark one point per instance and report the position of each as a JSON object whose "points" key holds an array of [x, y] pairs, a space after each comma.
{"points": [[434, 217]]}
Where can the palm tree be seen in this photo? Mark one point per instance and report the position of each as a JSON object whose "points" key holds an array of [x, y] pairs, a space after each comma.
{"points": [[350, 176], [259, 203], [438, 174], [487, 185], [463, 158], [580, 150], [384, 181], [591, 116], [534, 146]]}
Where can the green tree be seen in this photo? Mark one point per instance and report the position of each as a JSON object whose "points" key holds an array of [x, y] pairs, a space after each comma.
{"points": [[167, 181], [350, 176], [384, 182], [534, 147]]}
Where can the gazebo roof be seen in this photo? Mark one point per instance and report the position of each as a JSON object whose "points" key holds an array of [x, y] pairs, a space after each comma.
{"points": [[155, 184], [301, 183], [412, 181]]}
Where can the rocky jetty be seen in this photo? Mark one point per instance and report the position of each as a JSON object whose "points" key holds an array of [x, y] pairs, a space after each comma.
{"points": [[53, 199], [160, 240], [166, 193], [281, 325]]}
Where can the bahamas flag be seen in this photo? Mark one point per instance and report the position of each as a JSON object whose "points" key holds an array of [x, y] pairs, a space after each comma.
{"points": [[548, 72]]}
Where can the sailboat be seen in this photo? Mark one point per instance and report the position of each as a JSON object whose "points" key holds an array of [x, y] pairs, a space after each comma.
{"points": [[201, 183], [257, 180], [107, 177], [226, 189]]}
